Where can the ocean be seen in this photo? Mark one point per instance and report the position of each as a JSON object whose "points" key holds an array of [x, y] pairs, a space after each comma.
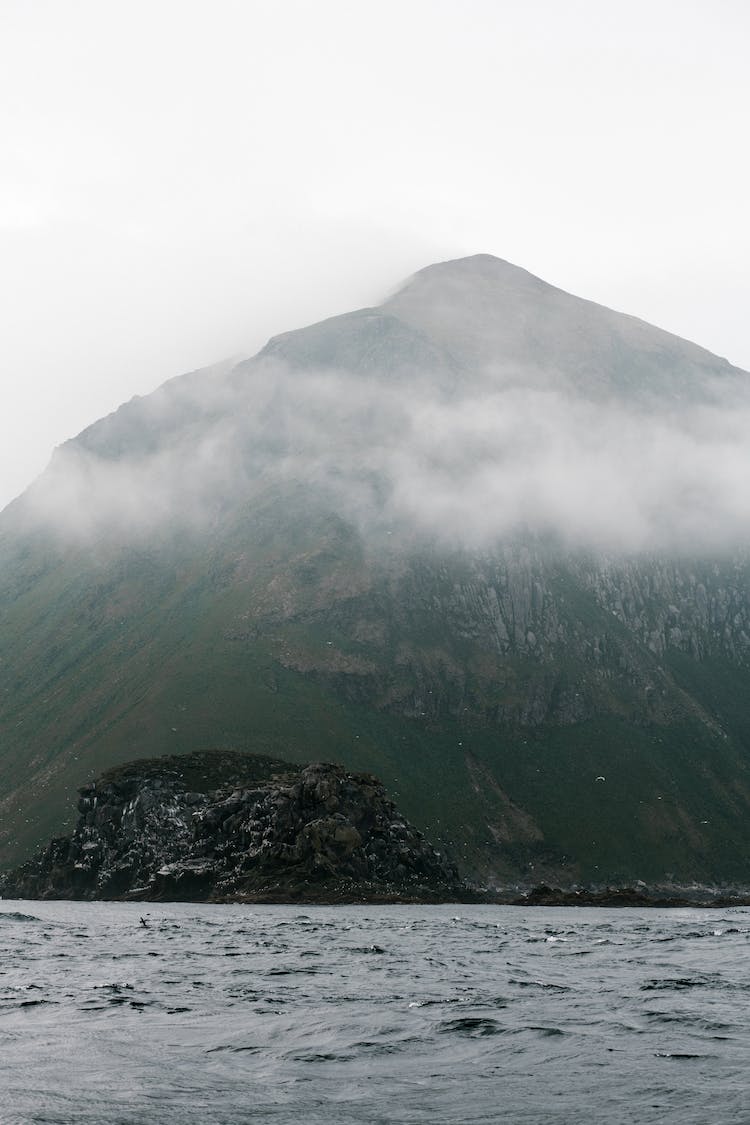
{"points": [[377, 1014]]}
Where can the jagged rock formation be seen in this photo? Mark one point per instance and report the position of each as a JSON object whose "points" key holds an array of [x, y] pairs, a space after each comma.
{"points": [[234, 827]]}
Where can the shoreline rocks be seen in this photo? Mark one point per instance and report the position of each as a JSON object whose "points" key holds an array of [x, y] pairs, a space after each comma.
{"points": [[229, 827]]}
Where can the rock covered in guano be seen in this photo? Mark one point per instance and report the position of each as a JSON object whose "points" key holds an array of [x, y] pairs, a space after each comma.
{"points": [[220, 826]]}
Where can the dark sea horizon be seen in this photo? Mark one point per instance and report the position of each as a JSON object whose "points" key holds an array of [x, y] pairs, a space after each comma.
{"points": [[372, 1014]]}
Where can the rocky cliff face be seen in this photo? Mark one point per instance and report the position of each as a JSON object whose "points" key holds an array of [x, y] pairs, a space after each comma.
{"points": [[231, 827], [520, 638]]}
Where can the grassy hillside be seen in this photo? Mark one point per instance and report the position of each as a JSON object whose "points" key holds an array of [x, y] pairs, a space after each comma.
{"points": [[304, 646]]}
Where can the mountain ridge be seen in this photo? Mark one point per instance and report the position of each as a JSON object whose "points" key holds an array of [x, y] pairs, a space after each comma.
{"points": [[491, 583], [442, 270]]}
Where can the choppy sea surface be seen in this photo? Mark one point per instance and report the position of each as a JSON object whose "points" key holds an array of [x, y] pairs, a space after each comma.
{"points": [[394, 1014]]}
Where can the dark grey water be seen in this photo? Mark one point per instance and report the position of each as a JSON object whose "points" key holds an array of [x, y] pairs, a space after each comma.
{"points": [[228, 1014]]}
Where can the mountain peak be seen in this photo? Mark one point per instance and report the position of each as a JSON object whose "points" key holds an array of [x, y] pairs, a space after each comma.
{"points": [[493, 316], [481, 267]]}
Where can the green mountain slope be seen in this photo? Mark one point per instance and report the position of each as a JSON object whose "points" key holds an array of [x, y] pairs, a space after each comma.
{"points": [[262, 557]]}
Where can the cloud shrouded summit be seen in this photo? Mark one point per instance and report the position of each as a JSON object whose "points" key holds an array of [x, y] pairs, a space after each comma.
{"points": [[476, 401]]}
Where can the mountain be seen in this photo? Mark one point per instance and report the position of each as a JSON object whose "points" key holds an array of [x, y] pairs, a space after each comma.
{"points": [[486, 540]]}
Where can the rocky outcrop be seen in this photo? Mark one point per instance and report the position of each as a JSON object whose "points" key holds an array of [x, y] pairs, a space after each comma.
{"points": [[219, 826], [528, 637]]}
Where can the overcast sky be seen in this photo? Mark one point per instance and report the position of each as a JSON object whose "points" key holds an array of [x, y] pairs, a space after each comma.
{"points": [[181, 179]]}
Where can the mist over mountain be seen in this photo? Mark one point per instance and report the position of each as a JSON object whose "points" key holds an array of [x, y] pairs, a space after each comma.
{"points": [[488, 540], [476, 401]]}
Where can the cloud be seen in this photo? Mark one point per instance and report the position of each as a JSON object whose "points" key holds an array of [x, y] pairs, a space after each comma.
{"points": [[470, 465]]}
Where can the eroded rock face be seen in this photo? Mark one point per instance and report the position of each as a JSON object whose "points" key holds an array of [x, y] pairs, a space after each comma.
{"points": [[219, 826]]}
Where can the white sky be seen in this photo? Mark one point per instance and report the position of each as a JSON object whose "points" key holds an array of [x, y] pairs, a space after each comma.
{"points": [[180, 179]]}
